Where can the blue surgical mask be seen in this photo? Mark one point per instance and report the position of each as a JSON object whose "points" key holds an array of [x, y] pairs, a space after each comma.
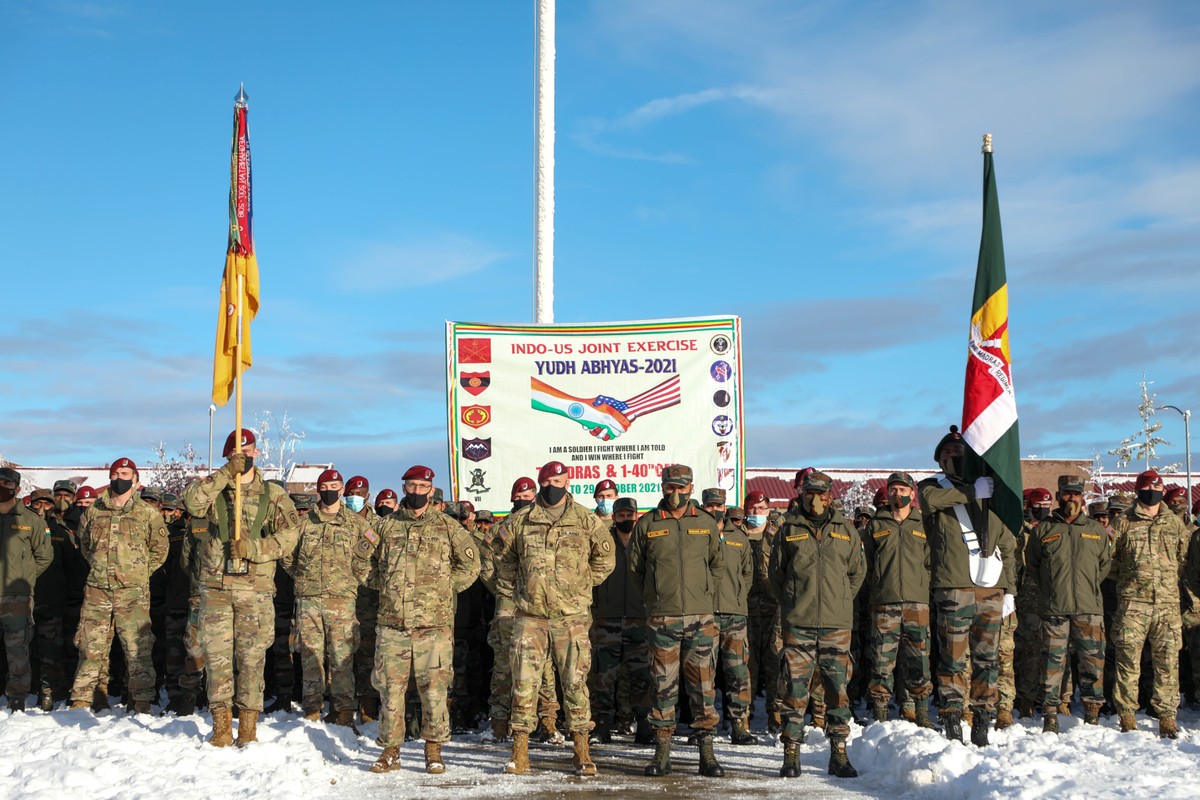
{"points": [[355, 503], [604, 506], [756, 520]]}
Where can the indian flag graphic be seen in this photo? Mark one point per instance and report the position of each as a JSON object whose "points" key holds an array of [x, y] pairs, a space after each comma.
{"points": [[604, 417]]}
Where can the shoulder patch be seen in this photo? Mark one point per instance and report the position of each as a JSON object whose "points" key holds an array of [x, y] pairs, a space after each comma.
{"points": [[698, 531], [656, 534], [795, 537], [606, 545], [371, 536], [882, 533], [469, 552], [841, 536]]}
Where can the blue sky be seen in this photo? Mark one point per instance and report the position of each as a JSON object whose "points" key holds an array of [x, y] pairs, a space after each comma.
{"points": [[812, 167]]}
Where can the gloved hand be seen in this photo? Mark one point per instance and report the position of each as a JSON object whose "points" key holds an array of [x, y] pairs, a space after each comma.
{"points": [[1009, 606], [236, 464], [240, 548], [983, 488]]}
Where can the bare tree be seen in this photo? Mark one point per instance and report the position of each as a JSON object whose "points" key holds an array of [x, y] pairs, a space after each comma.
{"points": [[1098, 479], [1142, 445], [857, 494], [277, 443], [177, 471]]}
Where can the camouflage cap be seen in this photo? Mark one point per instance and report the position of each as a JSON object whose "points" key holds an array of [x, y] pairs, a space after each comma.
{"points": [[902, 477], [817, 482], [302, 500], [151, 494], [484, 516], [437, 496], [624, 504], [735, 513], [863, 511], [713, 497], [41, 494], [1098, 508], [1118, 503], [10, 474], [66, 486], [453, 509], [170, 505], [677, 475], [1070, 483]]}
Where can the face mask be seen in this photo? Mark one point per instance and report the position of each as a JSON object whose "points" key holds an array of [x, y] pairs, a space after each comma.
{"points": [[382, 511], [1072, 508], [756, 520], [552, 495], [815, 504], [415, 501], [1150, 497], [355, 503], [73, 514], [62, 504], [605, 505], [678, 499], [249, 465], [519, 504], [7, 494], [901, 500], [625, 525], [953, 466], [119, 486], [329, 496], [1040, 513]]}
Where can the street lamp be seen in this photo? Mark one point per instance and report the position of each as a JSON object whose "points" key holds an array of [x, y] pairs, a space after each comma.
{"points": [[1187, 449], [212, 409]]}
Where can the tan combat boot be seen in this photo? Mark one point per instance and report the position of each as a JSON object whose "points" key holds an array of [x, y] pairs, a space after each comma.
{"points": [[247, 726], [1167, 728], [519, 764], [500, 731], [345, 718], [388, 760], [1024, 709], [368, 709], [1091, 713], [1128, 723], [1064, 709], [222, 735], [1004, 719], [433, 758], [582, 759], [550, 726]]}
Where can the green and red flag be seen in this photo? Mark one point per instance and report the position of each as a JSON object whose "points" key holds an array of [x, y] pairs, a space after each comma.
{"points": [[989, 424]]}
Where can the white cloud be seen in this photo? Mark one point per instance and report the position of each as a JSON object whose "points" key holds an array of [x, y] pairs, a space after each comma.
{"points": [[390, 266]]}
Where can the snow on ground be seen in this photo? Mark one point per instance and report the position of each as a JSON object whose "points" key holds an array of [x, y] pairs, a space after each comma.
{"points": [[114, 755]]}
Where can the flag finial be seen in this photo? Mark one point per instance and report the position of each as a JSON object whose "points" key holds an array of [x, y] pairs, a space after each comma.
{"points": [[987, 143], [242, 100]]}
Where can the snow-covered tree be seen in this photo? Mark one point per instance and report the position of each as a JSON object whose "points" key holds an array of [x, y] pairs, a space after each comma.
{"points": [[1098, 479], [1142, 445], [857, 494], [177, 471], [277, 443]]}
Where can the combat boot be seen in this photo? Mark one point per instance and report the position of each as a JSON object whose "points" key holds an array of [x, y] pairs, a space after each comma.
{"points": [[661, 763], [345, 718], [1049, 724], [1128, 723], [388, 760], [247, 726], [1024, 709], [312, 708], [644, 734], [433, 758], [921, 716], [46, 700], [1003, 719], [582, 759], [547, 732], [880, 712], [1091, 713], [709, 766], [602, 732], [181, 705], [140, 707], [499, 732], [222, 735], [368, 709], [625, 726], [283, 702], [818, 721], [909, 712], [774, 722], [979, 728], [1167, 729], [16, 704], [952, 725], [1064, 708], [741, 733], [519, 763], [791, 760], [839, 762], [78, 704], [100, 699]]}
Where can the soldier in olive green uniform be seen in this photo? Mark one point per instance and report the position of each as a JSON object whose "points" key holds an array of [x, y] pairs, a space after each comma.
{"points": [[817, 566], [1021, 638], [762, 608], [1067, 557], [237, 580], [675, 561], [1148, 559], [25, 553], [124, 540], [731, 607], [423, 561]]}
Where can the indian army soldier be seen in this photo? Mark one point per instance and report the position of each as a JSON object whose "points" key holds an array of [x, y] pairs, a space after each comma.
{"points": [[897, 552], [731, 609], [761, 606], [816, 568], [1021, 657], [332, 557], [619, 636], [26, 551], [969, 615], [423, 561], [1067, 556], [51, 598], [185, 651], [713, 501], [605, 495], [1148, 557], [237, 579], [554, 554], [675, 561], [366, 608], [177, 591]]}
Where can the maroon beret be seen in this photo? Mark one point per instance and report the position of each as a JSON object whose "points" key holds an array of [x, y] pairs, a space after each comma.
{"points": [[801, 475], [1147, 478], [247, 439], [522, 485], [386, 494], [419, 473], [467, 507], [880, 498], [122, 462], [1173, 492], [329, 475], [85, 493], [604, 485], [1039, 495], [358, 482], [550, 470], [754, 498]]}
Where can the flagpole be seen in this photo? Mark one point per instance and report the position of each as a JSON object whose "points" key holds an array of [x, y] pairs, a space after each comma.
{"points": [[237, 410], [985, 505], [543, 221]]}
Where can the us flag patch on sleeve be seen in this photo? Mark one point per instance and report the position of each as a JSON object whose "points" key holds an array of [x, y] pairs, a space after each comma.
{"points": [[371, 536]]}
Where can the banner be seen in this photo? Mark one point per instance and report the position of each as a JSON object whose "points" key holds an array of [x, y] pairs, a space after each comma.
{"points": [[613, 400]]}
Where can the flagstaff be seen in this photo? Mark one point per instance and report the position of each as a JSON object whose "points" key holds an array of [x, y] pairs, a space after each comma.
{"points": [[543, 257]]}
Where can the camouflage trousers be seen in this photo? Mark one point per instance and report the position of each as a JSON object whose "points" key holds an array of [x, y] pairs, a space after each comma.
{"points": [[185, 653], [281, 663], [762, 657], [691, 640], [1027, 657], [500, 638], [16, 621], [127, 612], [1084, 632], [619, 648], [328, 636], [49, 634], [968, 627], [808, 652], [564, 640], [900, 632], [1133, 624], [1006, 678], [366, 609], [236, 628], [732, 652], [426, 656]]}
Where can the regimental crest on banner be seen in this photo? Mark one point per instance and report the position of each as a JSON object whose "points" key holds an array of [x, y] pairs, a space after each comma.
{"points": [[476, 416], [477, 484], [475, 382], [477, 449], [474, 351]]}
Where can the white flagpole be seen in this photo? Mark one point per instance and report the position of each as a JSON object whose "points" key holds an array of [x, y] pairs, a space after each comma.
{"points": [[543, 225]]}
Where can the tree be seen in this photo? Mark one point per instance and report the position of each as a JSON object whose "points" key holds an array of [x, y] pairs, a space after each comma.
{"points": [[277, 443], [176, 472], [858, 494], [1142, 445], [1098, 479]]}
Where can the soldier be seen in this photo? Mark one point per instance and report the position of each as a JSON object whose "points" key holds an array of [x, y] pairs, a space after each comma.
{"points": [[423, 560], [713, 501], [731, 607], [554, 554], [185, 652], [366, 608], [1021, 638], [471, 610], [897, 552], [816, 568], [66, 570], [675, 562], [282, 666], [237, 579], [1176, 499], [969, 615], [124, 540], [761, 607], [386, 502], [1148, 557], [332, 557], [1067, 557], [619, 636], [26, 551], [605, 495]]}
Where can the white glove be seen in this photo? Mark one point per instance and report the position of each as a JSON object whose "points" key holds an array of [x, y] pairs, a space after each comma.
{"points": [[983, 488], [1009, 606]]}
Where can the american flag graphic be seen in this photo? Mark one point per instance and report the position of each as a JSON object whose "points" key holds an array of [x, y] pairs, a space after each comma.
{"points": [[665, 395]]}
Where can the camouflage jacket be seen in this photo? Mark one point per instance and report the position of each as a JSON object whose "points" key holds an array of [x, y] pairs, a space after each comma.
{"points": [[949, 560], [733, 586], [816, 570], [490, 548], [897, 557], [122, 545], [276, 538], [676, 563], [1066, 562], [550, 565], [332, 555], [420, 567], [617, 597], [1149, 555], [25, 550]]}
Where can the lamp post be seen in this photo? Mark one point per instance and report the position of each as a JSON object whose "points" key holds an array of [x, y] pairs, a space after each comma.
{"points": [[212, 409], [1187, 450]]}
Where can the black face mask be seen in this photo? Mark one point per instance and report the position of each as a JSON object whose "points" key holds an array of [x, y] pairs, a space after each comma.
{"points": [[72, 515], [625, 525], [519, 504], [328, 496], [119, 486], [382, 511], [1040, 512], [552, 495], [1150, 497], [902, 500], [249, 465], [416, 501], [7, 494]]}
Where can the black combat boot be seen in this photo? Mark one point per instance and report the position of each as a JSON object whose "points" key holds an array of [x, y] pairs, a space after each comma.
{"points": [[980, 723], [46, 700], [839, 762], [880, 712], [952, 725], [1049, 724], [709, 766], [791, 760], [661, 763], [645, 734], [602, 732], [741, 733], [181, 705], [283, 702]]}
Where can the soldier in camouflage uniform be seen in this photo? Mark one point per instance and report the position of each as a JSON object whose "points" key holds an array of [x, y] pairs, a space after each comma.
{"points": [[332, 557], [605, 495], [556, 551], [366, 608], [25, 553], [185, 651], [124, 540], [386, 502], [675, 561], [51, 598], [1020, 681], [1148, 558], [237, 579], [817, 566], [761, 606], [731, 607], [423, 560]]}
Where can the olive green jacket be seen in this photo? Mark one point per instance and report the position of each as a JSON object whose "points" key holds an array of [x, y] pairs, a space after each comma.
{"points": [[333, 553], [25, 550], [816, 570], [733, 588], [122, 545], [676, 563], [897, 557], [949, 559], [1067, 561]]}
